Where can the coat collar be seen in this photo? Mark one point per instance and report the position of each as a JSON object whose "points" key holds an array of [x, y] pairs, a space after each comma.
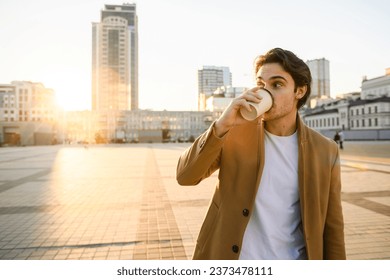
{"points": [[302, 133]]}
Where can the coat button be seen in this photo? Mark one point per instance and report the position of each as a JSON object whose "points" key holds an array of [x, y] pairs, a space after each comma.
{"points": [[235, 249], [245, 212], [202, 144]]}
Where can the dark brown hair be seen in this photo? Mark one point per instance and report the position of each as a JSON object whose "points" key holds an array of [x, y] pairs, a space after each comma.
{"points": [[293, 65]]}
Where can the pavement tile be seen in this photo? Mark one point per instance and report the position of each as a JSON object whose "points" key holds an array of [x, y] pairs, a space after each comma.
{"points": [[123, 202]]}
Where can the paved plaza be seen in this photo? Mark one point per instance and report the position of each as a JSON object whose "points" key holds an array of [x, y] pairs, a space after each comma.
{"points": [[115, 202]]}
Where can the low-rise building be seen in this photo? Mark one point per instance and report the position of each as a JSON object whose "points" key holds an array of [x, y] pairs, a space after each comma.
{"points": [[355, 117], [28, 114], [364, 115], [149, 126], [376, 87], [370, 114]]}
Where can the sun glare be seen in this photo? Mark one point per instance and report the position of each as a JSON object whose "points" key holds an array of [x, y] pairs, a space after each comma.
{"points": [[70, 96], [72, 100]]}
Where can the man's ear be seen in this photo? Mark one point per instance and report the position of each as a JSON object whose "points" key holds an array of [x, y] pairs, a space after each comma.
{"points": [[301, 91]]}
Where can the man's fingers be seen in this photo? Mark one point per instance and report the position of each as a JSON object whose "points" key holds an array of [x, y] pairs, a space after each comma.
{"points": [[244, 103], [251, 95]]}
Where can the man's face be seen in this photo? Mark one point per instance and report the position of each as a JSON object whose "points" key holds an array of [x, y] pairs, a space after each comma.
{"points": [[274, 78]]}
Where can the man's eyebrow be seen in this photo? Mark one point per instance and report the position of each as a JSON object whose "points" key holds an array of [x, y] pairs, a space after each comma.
{"points": [[272, 78]]}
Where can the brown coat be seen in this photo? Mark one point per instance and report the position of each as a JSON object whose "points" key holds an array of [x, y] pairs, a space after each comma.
{"points": [[240, 157]]}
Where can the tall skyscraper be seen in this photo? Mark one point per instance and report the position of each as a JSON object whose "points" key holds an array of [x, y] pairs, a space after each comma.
{"points": [[319, 69], [115, 59], [210, 78]]}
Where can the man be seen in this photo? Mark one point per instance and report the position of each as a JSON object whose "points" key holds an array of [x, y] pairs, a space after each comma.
{"points": [[341, 136], [336, 137], [278, 194]]}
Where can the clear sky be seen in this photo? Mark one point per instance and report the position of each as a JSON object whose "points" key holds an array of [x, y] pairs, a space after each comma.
{"points": [[49, 41]]}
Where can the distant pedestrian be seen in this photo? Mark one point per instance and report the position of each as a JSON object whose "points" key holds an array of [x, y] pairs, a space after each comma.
{"points": [[341, 136], [336, 137]]}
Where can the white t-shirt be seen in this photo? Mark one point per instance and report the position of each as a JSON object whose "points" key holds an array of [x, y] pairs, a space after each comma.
{"points": [[274, 229]]}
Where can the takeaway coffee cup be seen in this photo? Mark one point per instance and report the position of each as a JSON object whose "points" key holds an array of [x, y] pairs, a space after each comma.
{"points": [[258, 108]]}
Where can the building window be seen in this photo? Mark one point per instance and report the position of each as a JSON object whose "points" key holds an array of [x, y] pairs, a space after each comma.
{"points": [[369, 122], [376, 121]]}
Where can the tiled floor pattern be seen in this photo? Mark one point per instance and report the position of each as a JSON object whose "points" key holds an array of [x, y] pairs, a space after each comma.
{"points": [[158, 235], [123, 202]]}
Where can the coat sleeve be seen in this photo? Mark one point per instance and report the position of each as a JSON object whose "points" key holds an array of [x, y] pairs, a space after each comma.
{"points": [[201, 159], [334, 245]]}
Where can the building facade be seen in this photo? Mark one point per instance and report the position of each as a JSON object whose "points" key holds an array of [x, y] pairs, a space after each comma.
{"points": [[115, 59], [359, 119], [28, 114], [147, 126], [377, 87], [370, 114], [209, 79], [319, 69]]}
